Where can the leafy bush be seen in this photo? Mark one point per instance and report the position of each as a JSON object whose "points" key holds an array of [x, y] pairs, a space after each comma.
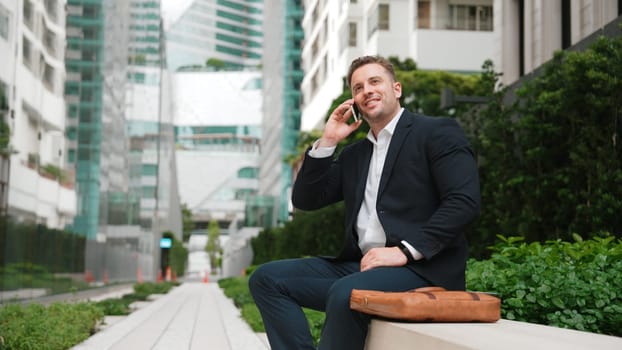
{"points": [[569, 285], [318, 232], [143, 290], [63, 325], [27, 275], [59, 326]]}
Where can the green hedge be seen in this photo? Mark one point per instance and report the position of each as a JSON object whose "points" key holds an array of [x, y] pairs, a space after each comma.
{"points": [[55, 327], [317, 232], [570, 285], [57, 250], [63, 325]]}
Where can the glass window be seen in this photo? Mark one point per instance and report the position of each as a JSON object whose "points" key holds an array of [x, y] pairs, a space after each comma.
{"points": [[248, 173], [423, 14], [26, 52], [149, 169], [48, 77], [470, 17], [148, 192], [352, 34], [383, 16], [5, 17]]}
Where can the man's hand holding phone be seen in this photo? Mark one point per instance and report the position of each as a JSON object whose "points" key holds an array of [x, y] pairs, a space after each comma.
{"points": [[337, 127]]}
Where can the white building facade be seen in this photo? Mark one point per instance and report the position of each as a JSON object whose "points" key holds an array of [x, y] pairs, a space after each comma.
{"points": [[217, 136], [32, 74], [530, 31], [438, 35]]}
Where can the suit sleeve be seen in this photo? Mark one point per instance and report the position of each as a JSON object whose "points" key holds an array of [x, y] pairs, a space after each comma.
{"points": [[317, 184], [454, 172]]}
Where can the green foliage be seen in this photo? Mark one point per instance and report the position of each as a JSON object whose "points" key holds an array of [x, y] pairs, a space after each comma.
{"points": [[5, 133], [317, 232], [27, 275], [551, 162], [178, 255], [57, 250], [213, 248], [121, 306], [188, 224], [63, 325], [58, 326], [115, 306], [143, 290], [215, 63], [54, 172], [571, 285]]}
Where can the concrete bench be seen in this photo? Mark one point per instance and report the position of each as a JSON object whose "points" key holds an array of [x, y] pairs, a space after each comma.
{"points": [[504, 334]]}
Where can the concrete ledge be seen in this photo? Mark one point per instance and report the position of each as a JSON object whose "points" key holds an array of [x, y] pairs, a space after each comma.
{"points": [[504, 334]]}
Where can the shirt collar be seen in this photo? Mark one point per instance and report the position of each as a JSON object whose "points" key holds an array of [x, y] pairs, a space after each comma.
{"points": [[389, 128]]}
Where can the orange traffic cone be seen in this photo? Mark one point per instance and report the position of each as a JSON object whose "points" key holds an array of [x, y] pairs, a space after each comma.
{"points": [[205, 280], [139, 275]]}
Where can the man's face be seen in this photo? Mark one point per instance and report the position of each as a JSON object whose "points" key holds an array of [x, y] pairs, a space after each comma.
{"points": [[375, 93]]}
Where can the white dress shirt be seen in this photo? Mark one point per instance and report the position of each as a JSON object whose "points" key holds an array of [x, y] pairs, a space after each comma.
{"points": [[368, 227]]}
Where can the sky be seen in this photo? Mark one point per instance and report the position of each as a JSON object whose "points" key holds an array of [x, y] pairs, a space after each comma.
{"points": [[172, 9]]}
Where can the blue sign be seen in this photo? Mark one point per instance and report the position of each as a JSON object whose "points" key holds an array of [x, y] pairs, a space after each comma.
{"points": [[166, 242]]}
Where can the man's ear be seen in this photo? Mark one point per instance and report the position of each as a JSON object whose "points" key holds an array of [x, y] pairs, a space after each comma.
{"points": [[397, 88]]}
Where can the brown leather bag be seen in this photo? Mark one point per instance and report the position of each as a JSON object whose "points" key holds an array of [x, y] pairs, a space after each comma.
{"points": [[429, 304]]}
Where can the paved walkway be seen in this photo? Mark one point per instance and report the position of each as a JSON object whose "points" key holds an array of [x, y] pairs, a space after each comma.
{"points": [[193, 315]]}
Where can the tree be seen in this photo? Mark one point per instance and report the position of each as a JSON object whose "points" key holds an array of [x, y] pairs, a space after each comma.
{"points": [[215, 63], [213, 247], [551, 162], [188, 224]]}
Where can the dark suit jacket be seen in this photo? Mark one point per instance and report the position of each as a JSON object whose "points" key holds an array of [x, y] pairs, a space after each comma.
{"points": [[428, 194]]}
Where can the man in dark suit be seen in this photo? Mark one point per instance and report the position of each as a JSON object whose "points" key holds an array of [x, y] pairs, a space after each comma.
{"points": [[410, 189]]}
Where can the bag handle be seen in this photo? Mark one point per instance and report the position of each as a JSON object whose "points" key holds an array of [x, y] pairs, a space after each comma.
{"points": [[429, 289]]}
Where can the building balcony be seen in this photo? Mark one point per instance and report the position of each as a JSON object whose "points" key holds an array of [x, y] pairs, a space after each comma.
{"points": [[84, 42], [45, 198], [85, 22], [83, 2]]}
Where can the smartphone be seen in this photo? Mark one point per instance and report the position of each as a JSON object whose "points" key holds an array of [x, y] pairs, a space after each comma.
{"points": [[355, 112]]}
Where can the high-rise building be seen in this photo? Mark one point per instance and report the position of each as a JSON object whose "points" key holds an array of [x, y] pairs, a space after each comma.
{"points": [[283, 74], [83, 94], [229, 31], [40, 187], [150, 123], [530, 31]]}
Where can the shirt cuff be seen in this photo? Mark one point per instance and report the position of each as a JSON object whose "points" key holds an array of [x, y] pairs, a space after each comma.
{"points": [[414, 252], [321, 152]]}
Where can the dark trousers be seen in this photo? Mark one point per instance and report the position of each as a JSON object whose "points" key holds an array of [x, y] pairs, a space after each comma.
{"points": [[281, 288]]}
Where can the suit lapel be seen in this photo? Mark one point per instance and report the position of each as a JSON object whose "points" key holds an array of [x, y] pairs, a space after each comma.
{"points": [[402, 130]]}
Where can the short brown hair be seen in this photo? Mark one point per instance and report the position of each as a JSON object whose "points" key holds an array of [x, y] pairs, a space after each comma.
{"points": [[363, 60]]}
